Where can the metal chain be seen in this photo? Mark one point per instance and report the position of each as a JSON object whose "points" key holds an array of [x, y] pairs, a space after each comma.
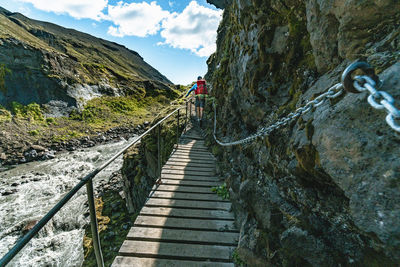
{"points": [[386, 101], [332, 92], [360, 83]]}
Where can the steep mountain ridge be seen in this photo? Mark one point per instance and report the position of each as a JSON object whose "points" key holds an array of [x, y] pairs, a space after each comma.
{"points": [[323, 190], [49, 62]]}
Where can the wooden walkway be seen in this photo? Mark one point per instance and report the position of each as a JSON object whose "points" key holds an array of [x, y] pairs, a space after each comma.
{"points": [[183, 223]]}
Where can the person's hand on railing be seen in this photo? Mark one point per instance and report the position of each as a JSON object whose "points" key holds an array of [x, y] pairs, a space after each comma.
{"points": [[189, 99]]}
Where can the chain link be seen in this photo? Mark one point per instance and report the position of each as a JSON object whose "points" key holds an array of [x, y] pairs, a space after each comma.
{"points": [[332, 92], [379, 100]]}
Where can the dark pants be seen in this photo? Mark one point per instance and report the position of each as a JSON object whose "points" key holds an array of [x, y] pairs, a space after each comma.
{"points": [[200, 102]]}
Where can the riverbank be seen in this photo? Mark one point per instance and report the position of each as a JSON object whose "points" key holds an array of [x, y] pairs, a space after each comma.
{"points": [[28, 133], [17, 152]]}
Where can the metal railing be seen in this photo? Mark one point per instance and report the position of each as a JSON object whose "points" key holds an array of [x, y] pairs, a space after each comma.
{"points": [[87, 180]]}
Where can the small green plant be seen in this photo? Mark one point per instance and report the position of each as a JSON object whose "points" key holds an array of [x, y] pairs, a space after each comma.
{"points": [[5, 115], [237, 260], [51, 121], [221, 191], [17, 108], [32, 111], [33, 132]]}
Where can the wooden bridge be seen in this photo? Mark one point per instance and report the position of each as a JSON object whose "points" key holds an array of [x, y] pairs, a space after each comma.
{"points": [[183, 223]]}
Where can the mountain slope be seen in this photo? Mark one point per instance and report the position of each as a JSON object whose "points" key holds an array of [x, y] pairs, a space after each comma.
{"points": [[49, 62]]}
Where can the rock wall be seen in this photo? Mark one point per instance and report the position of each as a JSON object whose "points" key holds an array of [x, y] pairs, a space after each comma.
{"points": [[28, 81], [324, 190]]}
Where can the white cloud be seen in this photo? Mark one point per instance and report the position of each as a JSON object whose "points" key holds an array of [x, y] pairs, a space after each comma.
{"points": [[79, 9], [195, 29], [138, 19]]}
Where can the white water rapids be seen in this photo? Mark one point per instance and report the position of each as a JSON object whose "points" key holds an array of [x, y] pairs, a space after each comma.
{"points": [[29, 191]]}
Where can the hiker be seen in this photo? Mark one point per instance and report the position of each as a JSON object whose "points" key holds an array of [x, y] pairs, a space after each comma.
{"points": [[200, 91]]}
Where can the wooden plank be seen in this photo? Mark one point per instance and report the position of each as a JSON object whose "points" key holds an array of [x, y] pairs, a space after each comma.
{"points": [[189, 182], [192, 158], [187, 213], [193, 137], [192, 153], [193, 143], [176, 250], [188, 196], [190, 177], [189, 168], [183, 189], [189, 164], [184, 158], [188, 172], [182, 236], [193, 148], [185, 223], [121, 261], [193, 204], [206, 152], [209, 166]]}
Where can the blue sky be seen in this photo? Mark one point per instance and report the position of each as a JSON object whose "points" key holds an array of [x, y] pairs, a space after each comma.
{"points": [[174, 36]]}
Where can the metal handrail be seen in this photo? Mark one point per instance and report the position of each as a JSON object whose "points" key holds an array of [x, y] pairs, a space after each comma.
{"points": [[89, 186]]}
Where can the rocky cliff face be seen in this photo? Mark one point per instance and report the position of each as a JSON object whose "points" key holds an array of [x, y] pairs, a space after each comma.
{"points": [[50, 63], [323, 191]]}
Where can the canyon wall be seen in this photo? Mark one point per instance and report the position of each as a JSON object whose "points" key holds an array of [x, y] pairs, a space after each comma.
{"points": [[325, 189]]}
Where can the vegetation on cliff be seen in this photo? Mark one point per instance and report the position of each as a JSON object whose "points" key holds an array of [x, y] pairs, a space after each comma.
{"points": [[313, 193]]}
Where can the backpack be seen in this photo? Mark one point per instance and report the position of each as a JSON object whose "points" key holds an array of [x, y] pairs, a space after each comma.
{"points": [[201, 88]]}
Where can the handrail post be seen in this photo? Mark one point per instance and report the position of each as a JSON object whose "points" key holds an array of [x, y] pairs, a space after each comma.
{"points": [[93, 225], [159, 151], [186, 116], [177, 132], [190, 109]]}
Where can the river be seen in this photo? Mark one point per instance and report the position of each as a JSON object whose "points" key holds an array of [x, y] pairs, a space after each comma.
{"points": [[29, 191]]}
